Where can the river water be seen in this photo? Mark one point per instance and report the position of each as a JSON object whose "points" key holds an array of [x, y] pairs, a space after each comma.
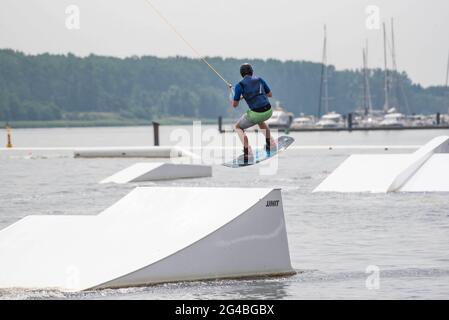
{"points": [[403, 239]]}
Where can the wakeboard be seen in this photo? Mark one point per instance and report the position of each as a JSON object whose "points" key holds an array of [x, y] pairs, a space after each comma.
{"points": [[283, 143]]}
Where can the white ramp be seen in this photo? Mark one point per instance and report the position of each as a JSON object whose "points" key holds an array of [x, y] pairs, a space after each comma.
{"points": [[152, 235], [433, 176], [151, 171], [418, 171]]}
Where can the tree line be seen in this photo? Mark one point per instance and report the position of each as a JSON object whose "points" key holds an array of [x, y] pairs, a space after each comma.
{"points": [[53, 87]]}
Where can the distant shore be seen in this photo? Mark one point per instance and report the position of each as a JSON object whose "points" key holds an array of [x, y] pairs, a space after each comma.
{"points": [[103, 123]]}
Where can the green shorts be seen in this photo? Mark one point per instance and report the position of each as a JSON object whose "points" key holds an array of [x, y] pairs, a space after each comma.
{"points": [[251, 118]]}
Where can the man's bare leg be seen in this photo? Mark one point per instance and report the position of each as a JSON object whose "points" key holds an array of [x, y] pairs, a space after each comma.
{"points": [[268, 137], [244, 139]]}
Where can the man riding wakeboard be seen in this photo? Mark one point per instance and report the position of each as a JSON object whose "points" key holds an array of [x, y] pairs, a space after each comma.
{"points": [[256, 92]]}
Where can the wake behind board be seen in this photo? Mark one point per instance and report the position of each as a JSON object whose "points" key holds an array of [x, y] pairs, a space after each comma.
{"points": [[283, 143]]}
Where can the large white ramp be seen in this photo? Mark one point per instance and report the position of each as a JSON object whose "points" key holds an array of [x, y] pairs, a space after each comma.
{"points": [[152, 235], [152, 171], [421, 171]]}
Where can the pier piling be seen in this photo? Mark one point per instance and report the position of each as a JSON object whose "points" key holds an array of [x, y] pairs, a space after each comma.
{"points": [[350, 121], [156, 133], [8, 137], [220, 124]]}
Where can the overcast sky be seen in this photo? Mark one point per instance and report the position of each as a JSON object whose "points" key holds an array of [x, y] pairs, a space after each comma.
{"points": [[278, 29]]}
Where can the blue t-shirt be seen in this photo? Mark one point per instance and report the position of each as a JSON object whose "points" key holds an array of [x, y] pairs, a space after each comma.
{"points": [[239, 89]]}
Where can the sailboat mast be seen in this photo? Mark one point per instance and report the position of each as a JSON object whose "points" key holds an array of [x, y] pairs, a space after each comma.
{"points": [[447, 79], [365, 89], [325, 74], [387, 101], [367, 104], [398, 84], [393, 77], [447, 72], [368, 89], [393, 47]]}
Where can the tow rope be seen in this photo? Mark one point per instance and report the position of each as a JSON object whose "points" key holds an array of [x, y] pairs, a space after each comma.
{"points": [[172, 27]]}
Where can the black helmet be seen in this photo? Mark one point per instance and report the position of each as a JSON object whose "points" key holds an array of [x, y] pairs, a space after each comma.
{"points": [[246, 69]]}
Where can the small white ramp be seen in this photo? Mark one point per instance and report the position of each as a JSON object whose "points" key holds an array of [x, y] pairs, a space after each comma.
{"points": [[151, 171], [418, 171], [152, 235]]}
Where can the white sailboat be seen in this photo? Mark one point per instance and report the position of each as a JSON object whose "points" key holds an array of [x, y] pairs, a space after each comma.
{"points": [[328, 119], [366, 116], [445, 117], [280, 118], [393, 117], [303, 122], [331, 120]]}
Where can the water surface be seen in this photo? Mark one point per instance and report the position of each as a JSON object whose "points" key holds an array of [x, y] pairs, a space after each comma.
{"points": [[333, 238]]}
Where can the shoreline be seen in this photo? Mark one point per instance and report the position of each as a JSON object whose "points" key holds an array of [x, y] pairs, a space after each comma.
{"points": [[100, 123]]}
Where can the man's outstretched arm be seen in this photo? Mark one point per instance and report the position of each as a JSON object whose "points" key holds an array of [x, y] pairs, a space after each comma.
{"points": [[237, 95]]}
